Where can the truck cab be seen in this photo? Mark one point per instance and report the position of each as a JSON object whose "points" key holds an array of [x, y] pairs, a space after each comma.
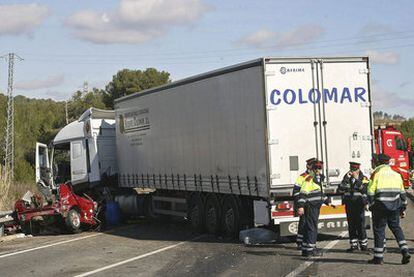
{"points": [[391, 142], [83, 153]]}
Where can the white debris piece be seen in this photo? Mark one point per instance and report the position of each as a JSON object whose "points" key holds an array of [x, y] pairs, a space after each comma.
{"points": [[27, 197]]}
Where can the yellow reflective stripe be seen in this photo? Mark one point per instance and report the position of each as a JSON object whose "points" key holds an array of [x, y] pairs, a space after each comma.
{"points": [[309, 186], [388, 178], [372, 185], [300, 180], [385, 180]]}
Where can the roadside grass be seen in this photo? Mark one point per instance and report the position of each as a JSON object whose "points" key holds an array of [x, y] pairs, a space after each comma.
{"points": [[15, 191]]}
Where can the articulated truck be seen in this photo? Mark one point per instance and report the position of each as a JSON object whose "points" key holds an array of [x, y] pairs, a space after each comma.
{"points": [[223, 149]]}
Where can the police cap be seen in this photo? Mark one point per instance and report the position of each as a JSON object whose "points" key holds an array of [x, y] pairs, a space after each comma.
{"points": [[310, 161], [353, 166]]}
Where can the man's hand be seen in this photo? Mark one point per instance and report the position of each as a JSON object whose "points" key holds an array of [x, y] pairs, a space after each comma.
{"points": [[403, 214], [367, 208], [301, 211], [355, 174]]}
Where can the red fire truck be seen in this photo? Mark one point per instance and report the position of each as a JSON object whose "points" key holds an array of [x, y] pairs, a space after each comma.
{"points": [[391, 142]]}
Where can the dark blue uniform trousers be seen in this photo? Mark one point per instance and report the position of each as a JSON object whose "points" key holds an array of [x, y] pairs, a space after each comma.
{"points": [[310, 228], [355, 215], [381, 218], [301, 224]]}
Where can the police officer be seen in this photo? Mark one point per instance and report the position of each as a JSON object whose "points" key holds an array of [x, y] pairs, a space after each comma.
{"points": [[296, 190], [354, 188], [387, 199], [310, 200]]}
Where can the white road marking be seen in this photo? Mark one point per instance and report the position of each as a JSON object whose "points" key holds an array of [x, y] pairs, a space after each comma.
{"points": [[48, 245], [307, 264], [136, 258], [63, 242]]}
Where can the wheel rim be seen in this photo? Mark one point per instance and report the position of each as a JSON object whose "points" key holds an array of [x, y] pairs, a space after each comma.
{"points": [[211, 219], [75, 220]]}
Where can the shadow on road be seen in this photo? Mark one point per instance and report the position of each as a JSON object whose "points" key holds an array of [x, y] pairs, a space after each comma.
{"points": [[163, 231], [262, 253], [179, 230]]}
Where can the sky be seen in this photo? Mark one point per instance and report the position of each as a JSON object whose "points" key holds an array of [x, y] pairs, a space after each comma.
{"points": [[67, 43]]}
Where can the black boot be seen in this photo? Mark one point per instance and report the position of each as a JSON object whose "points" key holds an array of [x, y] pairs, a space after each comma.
{"points": [[406, 258], [363, 248], [376, 261], [306, 254], [310, 254], [352, 248]]}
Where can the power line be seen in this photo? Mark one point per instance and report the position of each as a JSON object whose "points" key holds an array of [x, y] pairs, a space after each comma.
{"points": [[359, 40], [219, 59], [202, 55]]}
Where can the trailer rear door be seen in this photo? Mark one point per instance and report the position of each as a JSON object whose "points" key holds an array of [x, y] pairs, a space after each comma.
{"points": [[316, 108], [346, 116], [291, 116]]}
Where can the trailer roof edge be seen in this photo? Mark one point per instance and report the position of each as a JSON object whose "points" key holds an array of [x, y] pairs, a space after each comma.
{"points": [[198, 77], [228, 69]]}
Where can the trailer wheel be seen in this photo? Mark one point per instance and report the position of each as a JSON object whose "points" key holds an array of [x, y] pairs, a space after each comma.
{"points": [[231, 217], [196, 214], [213, 215], [73, 221]]}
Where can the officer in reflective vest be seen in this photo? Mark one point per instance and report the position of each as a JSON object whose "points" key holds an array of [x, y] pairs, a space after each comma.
{"points": [[387, 199], [296, 190], [310, 200], [354, 189]]}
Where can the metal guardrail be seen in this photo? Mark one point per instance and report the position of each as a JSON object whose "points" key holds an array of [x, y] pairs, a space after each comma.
{"points": [[5, 213]]}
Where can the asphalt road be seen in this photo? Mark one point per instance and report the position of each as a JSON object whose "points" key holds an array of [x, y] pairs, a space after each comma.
{"points": [[171, 249]]}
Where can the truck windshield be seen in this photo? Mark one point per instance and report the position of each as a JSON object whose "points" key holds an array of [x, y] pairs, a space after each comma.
{"points": [[61, 163], [400, 144]]}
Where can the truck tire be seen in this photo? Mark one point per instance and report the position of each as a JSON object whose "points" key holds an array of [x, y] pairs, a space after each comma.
{"points": [[230, 223], [30, 228], [72, 221], [196, 214], [212, 214]]}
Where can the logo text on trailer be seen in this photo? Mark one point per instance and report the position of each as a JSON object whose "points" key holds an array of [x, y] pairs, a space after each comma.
{"points": [[314, 96], [134, 121], [285, 70]]}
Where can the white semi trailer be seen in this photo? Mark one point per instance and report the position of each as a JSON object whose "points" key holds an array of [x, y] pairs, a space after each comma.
{"points": [[224, 148]]}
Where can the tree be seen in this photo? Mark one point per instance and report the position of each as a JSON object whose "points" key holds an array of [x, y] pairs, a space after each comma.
{"points": [[377, 115], [34, 120], [398, 117], [407, 128], [80, 102], [128, 81]]}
